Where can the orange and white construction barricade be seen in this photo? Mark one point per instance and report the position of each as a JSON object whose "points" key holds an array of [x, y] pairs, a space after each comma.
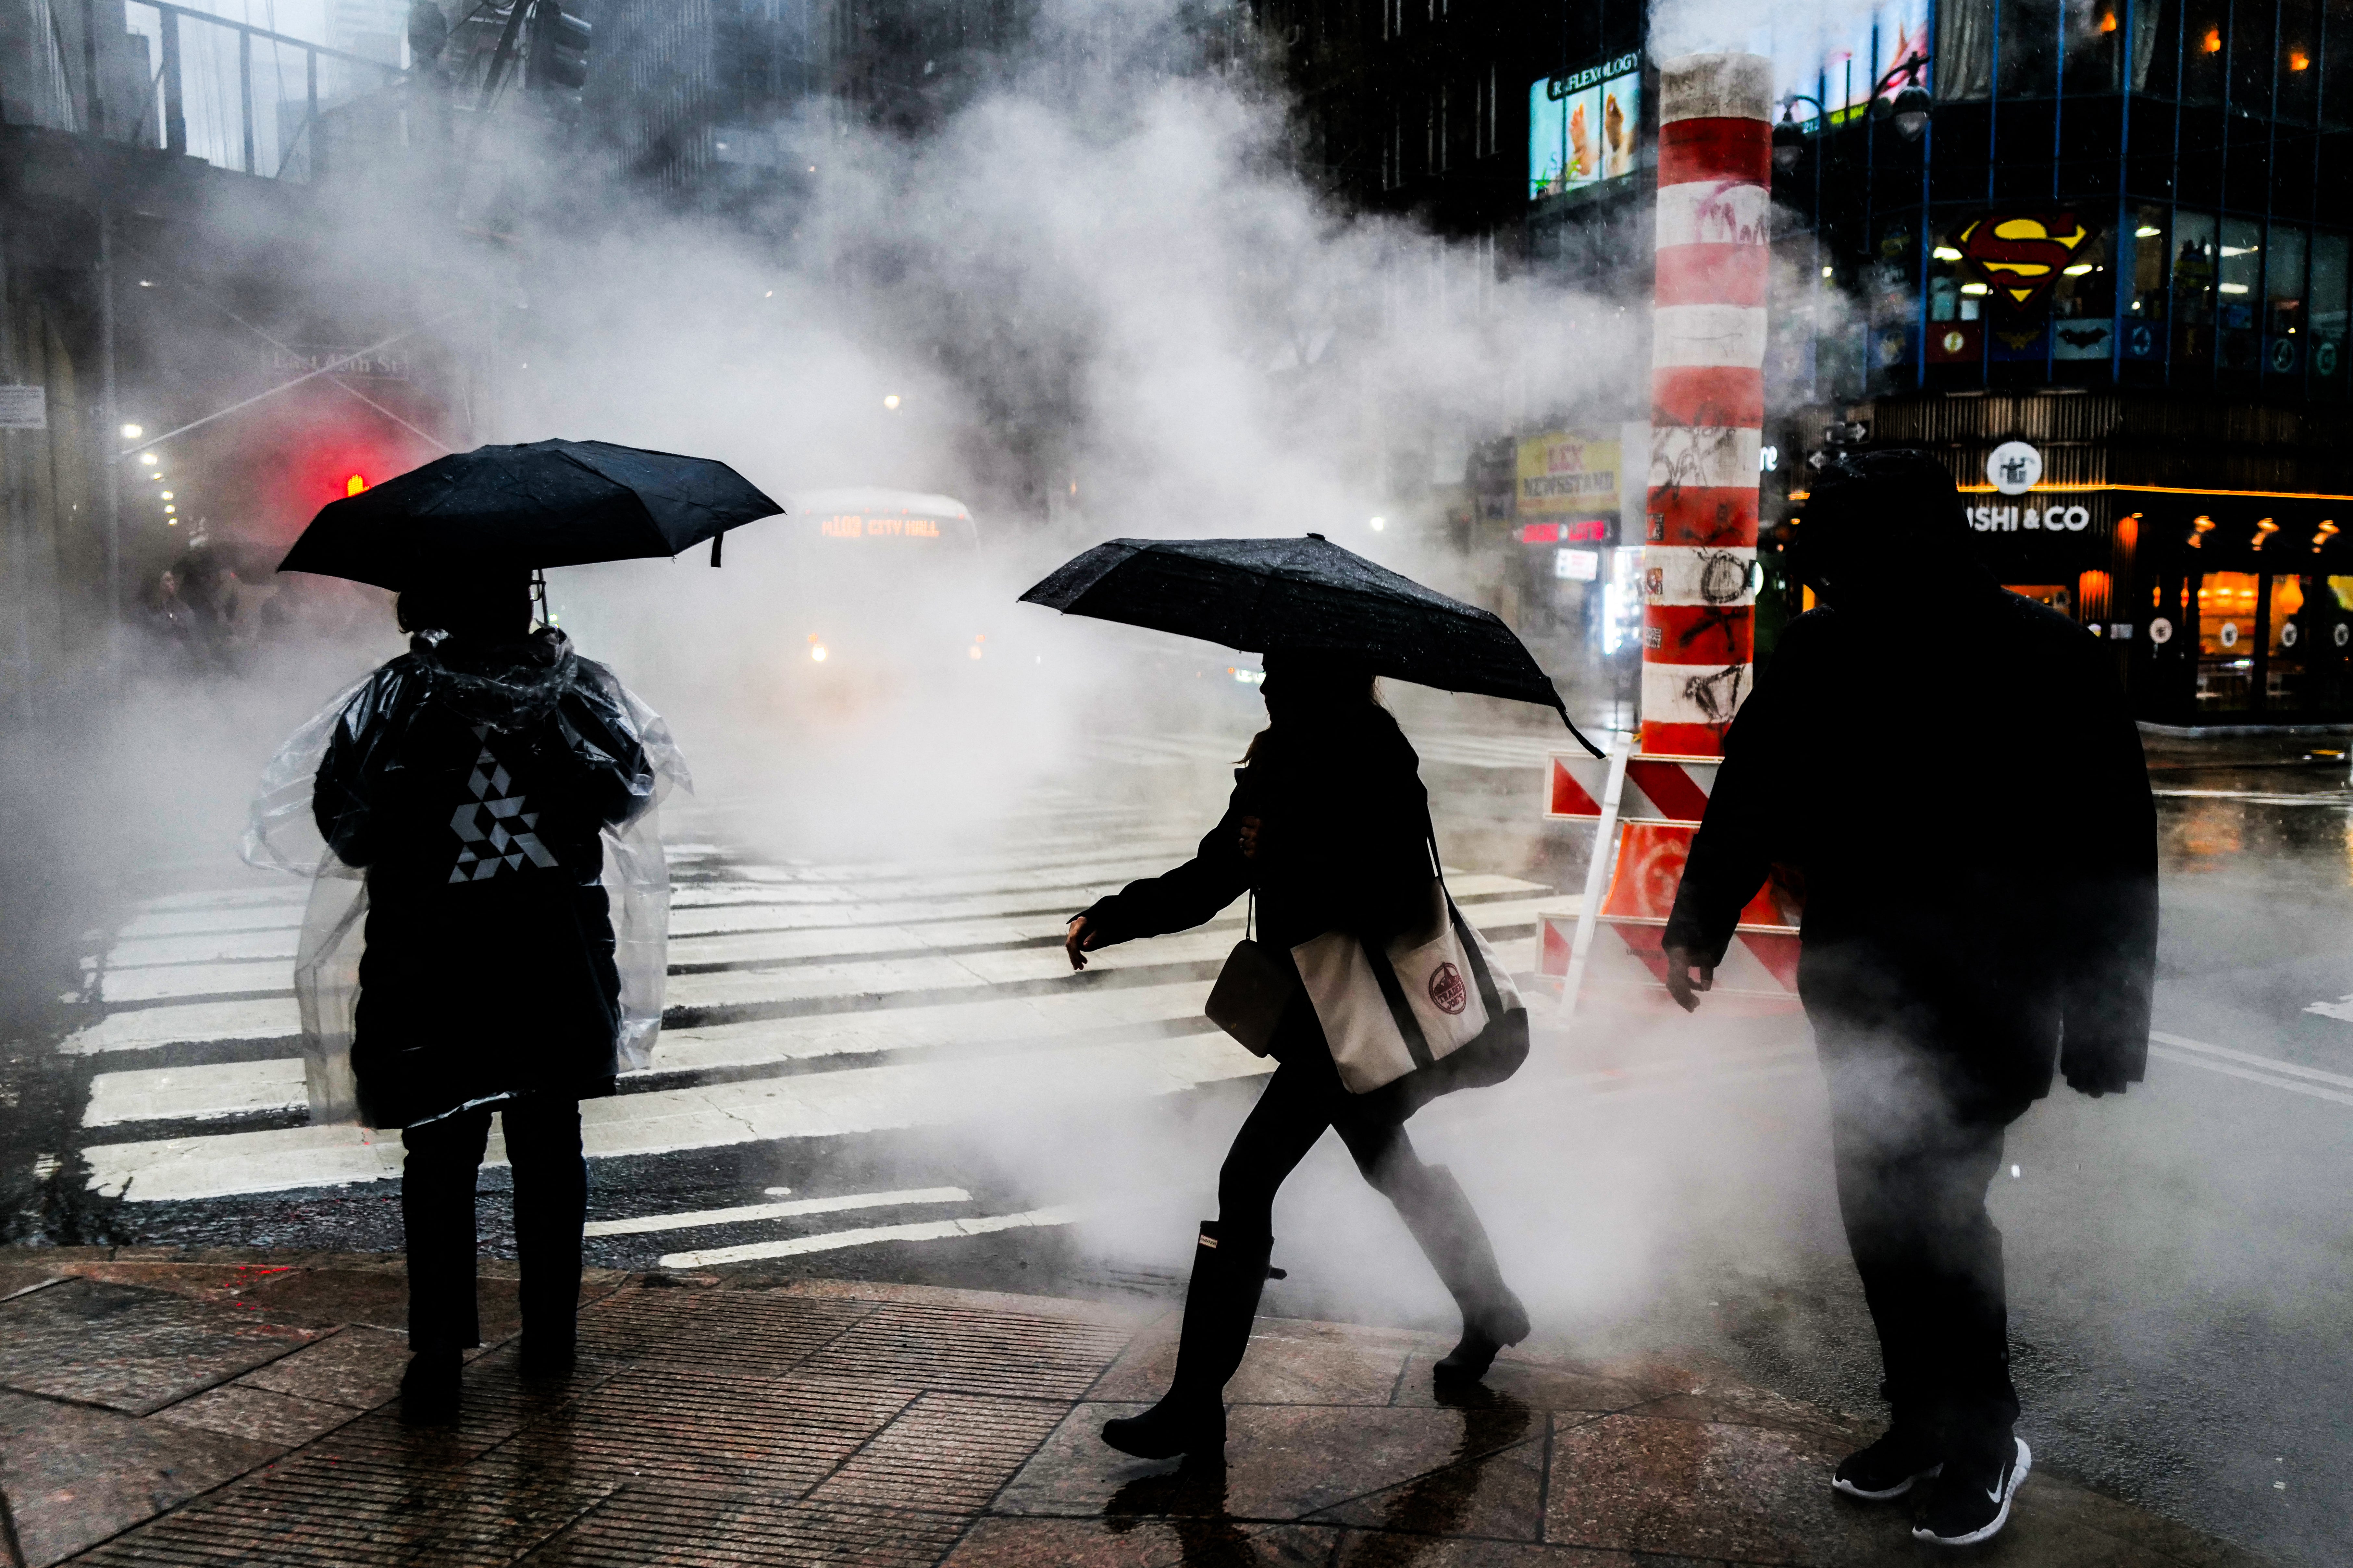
{"points": [[1645, 810]]}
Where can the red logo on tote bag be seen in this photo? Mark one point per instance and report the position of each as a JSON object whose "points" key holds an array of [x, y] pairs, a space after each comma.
{"points": [[1447, 990]]}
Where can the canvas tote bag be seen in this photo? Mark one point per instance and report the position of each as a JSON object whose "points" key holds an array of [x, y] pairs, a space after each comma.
{"points": [[1406, 1007]]}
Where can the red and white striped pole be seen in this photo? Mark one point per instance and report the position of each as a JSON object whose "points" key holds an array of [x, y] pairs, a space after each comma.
{"points": [[1707, 394]]}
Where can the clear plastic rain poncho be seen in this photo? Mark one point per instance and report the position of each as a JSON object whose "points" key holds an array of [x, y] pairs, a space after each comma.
{"points": [[509, 694]]}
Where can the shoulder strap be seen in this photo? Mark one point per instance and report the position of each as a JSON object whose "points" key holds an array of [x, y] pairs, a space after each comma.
{"points": [[1488, 995], [1417, 1044]]}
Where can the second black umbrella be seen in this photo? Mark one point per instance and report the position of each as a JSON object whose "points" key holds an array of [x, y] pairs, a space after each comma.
{"points": [[1307, 594]]}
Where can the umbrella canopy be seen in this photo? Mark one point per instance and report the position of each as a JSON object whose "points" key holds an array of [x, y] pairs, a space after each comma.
{"points": [[1307, 594], [550, 503]]}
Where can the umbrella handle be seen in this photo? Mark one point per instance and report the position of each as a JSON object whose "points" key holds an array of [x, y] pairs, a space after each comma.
{"points": [[716, 541], [1579, 734]]}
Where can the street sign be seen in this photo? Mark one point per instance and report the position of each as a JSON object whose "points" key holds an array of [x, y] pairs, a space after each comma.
{"points": [[24, 407], [2014, 467]]}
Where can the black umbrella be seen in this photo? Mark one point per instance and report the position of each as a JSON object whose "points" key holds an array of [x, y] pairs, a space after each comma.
{"points": [[551, 503], [1304, 594]]}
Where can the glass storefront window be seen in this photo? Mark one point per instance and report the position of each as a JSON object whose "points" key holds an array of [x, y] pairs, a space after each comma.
{"points": [[2298, 86], [2325, 308], [2238, 283], [2143, 253], [2030, 49], [2285, 341], [2201, 51], [2092, 34], [2285, 688], [2250, 57], [2335, 67], [2084, 303], [2193, 288], [2226, 641], [1954, 294]]}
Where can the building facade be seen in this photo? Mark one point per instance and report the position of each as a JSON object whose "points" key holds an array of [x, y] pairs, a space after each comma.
{"points": [[2118, 242]]}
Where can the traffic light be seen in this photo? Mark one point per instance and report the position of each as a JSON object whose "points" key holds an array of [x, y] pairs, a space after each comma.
{"points": [[558, 50]]}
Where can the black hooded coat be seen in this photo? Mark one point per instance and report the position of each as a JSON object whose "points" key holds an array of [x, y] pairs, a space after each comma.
{"points": [[1343, 845], [1953, 775], [472, 783]]}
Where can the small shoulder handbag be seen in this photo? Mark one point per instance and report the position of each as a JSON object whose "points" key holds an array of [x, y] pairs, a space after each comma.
{"points": [[1253, 989], [1427, 1013]]}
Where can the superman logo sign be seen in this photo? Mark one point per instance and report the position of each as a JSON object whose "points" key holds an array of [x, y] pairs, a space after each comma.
{"points": [[2021, 256]]}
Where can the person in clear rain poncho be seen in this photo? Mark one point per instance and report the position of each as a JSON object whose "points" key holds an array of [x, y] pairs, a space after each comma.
{"points": [[486, 932]]}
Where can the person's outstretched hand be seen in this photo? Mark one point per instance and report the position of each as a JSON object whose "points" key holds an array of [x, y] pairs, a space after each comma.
{"points": [[1682, 968], [1080, 938]]}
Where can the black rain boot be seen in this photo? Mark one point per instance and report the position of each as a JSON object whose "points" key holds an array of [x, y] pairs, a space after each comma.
{"points": [[1439, 1213], [1229, 1272], [428, 1388]]}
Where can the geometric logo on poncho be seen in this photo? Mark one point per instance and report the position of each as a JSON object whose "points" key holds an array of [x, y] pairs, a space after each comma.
{"points": [[507, 841]]}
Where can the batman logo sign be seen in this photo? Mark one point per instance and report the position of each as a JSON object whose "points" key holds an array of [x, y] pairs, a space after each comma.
{"points": [[2021, 256], [2084, 337]]}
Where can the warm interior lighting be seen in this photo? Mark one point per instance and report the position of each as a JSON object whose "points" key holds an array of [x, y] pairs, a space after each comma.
{"points": [[2298, 61], [2107, 21], [2148, 231], [2212, 42], [2078, 270], [2320, 540], [2198, 528], [2265, 528], [1946, 253]]}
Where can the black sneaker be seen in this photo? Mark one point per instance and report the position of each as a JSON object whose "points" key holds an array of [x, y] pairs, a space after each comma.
{"points": [[1887, 1469], [1970, 1501]]}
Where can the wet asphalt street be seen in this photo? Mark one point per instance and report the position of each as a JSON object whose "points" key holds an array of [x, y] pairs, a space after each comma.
{"points": [[881, 1070]]}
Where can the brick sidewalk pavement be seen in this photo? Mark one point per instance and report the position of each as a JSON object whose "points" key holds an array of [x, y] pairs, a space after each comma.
{"points": [[160, 1410]]}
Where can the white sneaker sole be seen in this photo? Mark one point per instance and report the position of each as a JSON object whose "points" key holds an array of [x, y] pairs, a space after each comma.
{"points": [[1993, 1527], [1849, 1489]]}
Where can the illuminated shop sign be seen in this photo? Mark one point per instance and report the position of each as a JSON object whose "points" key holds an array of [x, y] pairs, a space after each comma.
{"points": [[1578, 530], [2010, 519], [1567, 472], [1582, 126], [2020, 255], [852, 525]]}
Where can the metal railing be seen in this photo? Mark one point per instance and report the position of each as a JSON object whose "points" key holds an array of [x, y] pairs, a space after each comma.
{"points": [[186, 82]]}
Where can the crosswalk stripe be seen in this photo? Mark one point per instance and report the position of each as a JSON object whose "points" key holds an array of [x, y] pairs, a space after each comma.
{"points": [[747, 1214], [217, 1090], [805, 1105], [210, 1092], [193, 1023], [832, 1241]]}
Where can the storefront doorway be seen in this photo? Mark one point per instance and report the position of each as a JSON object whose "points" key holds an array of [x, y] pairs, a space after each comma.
{"points": [[2274, 644]]}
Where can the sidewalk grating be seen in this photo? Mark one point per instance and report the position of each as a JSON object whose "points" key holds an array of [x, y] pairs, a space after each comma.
{"points": [[975, 1352], [946, 1452], [820, 1424], [662, 1429]]}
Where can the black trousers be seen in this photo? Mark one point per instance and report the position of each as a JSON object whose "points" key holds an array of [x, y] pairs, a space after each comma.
{"points": [[1303, 1097], [437, 1207], [1912, 1178]]}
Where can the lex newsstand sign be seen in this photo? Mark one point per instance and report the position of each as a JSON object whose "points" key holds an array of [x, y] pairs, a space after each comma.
{"points": [[2010, 519]]}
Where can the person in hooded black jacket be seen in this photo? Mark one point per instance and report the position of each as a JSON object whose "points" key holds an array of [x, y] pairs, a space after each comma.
{"points": [[471, 778], [1328, 827], [1950, 771]]}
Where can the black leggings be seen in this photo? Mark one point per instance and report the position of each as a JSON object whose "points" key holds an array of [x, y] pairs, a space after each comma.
{"points": [[436, 1208], [1303, 1097]]}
